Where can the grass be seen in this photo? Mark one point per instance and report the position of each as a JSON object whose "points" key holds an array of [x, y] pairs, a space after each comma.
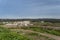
{"points": [[36, 36], [33, 34], [6, 34], [39, 29]]}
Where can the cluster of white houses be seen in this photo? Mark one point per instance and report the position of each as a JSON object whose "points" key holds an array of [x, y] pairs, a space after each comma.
{"points": [[18, 23]]}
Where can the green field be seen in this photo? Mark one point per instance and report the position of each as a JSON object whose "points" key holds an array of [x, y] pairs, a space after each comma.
{"points": [[6, 34]]}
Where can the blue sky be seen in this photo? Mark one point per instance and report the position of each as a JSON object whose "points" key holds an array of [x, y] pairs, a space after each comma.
{"points": [[29, 8]]}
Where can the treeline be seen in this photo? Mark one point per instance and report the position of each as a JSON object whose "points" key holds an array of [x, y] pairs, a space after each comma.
{"points": [[32, 20]]}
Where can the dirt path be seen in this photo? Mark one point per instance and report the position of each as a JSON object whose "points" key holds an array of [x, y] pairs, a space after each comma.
{"points": [[44, 34], [51, 36]]}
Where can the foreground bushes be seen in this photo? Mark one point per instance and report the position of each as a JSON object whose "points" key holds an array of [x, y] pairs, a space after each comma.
{"points": [[6, 34]]}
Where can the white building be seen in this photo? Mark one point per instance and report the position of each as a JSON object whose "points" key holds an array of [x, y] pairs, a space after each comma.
{"points": [[20, 23]]}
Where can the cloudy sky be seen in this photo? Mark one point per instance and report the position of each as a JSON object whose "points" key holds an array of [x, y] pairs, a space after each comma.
{"points": [[29, 8]]}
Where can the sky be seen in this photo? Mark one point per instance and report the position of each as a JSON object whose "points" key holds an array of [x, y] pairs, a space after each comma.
{"points": [[30, 9]]}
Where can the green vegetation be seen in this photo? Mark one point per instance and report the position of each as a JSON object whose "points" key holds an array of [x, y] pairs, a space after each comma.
{"points": [[39, 29], [46, 24], [38, 26], [38, 36], [6, 34], [33, 34]]}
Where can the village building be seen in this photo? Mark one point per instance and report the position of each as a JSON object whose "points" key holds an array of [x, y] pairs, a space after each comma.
{"points": [[20, 23]]}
